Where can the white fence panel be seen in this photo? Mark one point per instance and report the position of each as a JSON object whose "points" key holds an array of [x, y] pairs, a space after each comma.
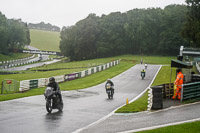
{"points": [[24, 85], [42, 82], [95, 69], [89, 71], [60, 78], [82, 74]]}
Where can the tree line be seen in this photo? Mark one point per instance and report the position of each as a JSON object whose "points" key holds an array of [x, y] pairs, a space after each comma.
{"points": [[43, 26], [191, 30], [152, 31], [14, 34]]}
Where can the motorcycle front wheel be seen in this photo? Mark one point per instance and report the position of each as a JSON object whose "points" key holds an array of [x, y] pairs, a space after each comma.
{"points": [[49, 105]]}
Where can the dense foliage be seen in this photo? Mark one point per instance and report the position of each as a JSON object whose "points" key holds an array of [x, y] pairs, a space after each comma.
{"points": [[14, 34], [152, 31], [43, 26], [192, 27]]}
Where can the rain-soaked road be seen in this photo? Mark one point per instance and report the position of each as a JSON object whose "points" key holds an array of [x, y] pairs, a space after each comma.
{"points": [[81, 108]]}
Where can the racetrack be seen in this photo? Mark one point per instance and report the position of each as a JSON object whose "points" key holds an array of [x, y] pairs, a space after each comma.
{"points": [[81, 107]]}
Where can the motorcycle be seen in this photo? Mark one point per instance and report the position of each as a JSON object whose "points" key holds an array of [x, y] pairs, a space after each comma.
{"points": [[145, 66], [109, 91], [52, 100], [142, 74]]}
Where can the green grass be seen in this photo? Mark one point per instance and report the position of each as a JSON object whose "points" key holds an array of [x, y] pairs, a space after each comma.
{"points": [[75, 64], [45, 40], [33, 92], [96, 78], [141, 103], [14, 56], [25, 75], [137, 106], [76, 84], [163, 76], [192, 127], [126, 62]]}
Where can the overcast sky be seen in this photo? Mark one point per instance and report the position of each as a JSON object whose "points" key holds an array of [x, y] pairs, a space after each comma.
{"points": [[68, 12]]}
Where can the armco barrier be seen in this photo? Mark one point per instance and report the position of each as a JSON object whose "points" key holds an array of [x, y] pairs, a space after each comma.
{"points": [[190, 91], [35, 83]]}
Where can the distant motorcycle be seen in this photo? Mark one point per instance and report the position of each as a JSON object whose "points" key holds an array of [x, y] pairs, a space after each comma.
{"points": [[109, 91], [142, 74], [145, 65], [52, 100]]}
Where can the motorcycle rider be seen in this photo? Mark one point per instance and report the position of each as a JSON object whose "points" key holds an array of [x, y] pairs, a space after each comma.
{"points": [[52, 83], [145, 65], [111, 84], [143, 72]]}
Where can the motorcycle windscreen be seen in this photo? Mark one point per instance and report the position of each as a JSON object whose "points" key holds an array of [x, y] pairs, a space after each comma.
{"points": [[48, 91], [108, 86]]}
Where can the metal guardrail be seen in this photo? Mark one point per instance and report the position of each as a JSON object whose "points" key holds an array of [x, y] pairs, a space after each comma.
{"points": [[190, 91]]}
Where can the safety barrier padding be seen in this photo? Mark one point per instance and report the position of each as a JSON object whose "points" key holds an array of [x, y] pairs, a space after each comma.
{"points": [[35, 83]]}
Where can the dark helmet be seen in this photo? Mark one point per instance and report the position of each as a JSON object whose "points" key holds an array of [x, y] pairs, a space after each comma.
{"points": [[108, 80], [52, 80]]}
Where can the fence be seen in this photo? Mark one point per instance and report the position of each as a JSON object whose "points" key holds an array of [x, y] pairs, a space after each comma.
{"points": [[35, 83], [9, 86], [15, 63], [190, 91], [157, 93]]}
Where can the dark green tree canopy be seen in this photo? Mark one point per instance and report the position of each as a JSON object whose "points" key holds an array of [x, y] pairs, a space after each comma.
{"points": [[14, 34], [152, 31], [191, 29]]}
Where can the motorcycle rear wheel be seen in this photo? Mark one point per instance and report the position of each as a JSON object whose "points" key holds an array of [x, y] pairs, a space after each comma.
{"points": [[60, 107], [109, 96]]}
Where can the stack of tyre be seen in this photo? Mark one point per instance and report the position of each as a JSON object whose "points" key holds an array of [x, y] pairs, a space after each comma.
{"points": [[157, 97]]}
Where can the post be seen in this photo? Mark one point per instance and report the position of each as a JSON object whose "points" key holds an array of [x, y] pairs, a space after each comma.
{"points": [[2, 87], [170, 81], [182, 93], [181, 51]]}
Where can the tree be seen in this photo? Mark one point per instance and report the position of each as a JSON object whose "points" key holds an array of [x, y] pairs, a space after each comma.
{"points": [[14, 34], [152, 31], [191, 31]]}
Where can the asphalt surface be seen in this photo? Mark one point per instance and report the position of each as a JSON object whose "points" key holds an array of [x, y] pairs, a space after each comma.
{"points": [[133, 122], [81, 107], [25, 67]]}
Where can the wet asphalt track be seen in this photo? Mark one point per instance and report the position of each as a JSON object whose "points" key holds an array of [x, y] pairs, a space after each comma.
{"points": [[81, 108], [134, 122], [21, 68]]}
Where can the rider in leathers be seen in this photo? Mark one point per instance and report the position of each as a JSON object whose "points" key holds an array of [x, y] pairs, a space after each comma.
{"points": [[112, 85], [52, 83]]}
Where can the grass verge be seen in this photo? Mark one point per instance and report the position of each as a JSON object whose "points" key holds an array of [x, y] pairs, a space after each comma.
{"points": [[14, 56], [141, 103], [96, 78], [192, 127], [126, 62]]}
